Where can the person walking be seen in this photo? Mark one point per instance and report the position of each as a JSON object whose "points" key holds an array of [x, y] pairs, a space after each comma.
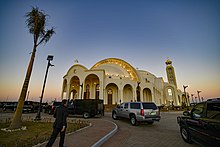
{"points": [[60, 124]]}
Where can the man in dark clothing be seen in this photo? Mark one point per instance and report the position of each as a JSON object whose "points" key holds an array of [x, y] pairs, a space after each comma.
{"points": [[60, 124]]}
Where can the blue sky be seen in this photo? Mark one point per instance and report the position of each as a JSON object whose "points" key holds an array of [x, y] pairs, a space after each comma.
{"points": [[142, 32]]}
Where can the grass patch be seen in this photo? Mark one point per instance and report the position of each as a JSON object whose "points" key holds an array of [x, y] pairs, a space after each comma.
{"points": [[37, 132]]}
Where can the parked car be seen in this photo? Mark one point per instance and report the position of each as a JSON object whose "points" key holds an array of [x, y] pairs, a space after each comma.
{"points": [[30, 106], [2, 105], [202, 124], [86, 107], [137, 112], [10, 106]]}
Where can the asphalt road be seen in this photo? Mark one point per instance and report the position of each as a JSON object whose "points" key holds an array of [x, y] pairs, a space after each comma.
{"points": [[160, 134]]}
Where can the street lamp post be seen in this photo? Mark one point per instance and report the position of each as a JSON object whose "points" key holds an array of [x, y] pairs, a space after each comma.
{"points": [[192, 97], [49, 58], [184, 88], [198, 91]]}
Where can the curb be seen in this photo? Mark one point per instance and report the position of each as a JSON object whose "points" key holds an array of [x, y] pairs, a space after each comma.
{"points": [[79, 130], [98, 143], [106, 137], [40, 144]]}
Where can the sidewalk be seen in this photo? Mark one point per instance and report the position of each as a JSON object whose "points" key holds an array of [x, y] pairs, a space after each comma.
{"points": [[94, 135]]}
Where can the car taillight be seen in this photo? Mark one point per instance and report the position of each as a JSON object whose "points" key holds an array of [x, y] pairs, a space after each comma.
{"points": [[142, 112]]}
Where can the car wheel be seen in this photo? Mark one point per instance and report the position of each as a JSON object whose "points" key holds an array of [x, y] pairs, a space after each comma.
{"points": [[133, 120], [85, 115], [185, 135], [114, 115], [50, 112]]}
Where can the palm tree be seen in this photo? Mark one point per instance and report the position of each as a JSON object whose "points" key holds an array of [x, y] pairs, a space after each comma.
{"points": [[36, 22]]}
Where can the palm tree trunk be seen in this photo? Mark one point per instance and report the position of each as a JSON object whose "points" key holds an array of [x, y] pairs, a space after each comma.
{"points": [[17, 121]]}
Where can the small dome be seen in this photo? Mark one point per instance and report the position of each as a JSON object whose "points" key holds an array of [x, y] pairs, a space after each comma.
{"points": [[168, 62]]}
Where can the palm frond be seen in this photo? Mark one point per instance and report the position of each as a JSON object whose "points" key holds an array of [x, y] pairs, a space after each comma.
{"points": [[36, 22], [47, 36]]}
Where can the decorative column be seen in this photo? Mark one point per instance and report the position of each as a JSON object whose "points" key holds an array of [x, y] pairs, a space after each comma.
{"points": [[67, 91], [121, 96]]}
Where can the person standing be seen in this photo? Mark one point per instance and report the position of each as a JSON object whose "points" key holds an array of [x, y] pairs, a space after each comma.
{"points": [[60, 124]]}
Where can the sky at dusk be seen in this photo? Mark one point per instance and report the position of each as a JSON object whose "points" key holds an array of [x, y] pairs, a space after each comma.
{"points": [[144, 33]]}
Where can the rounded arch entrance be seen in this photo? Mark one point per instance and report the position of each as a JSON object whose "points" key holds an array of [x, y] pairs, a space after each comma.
{"points": [[147, 96], [112, 94], [74, 88], [91, 87], [127, 93], [170, 95]]}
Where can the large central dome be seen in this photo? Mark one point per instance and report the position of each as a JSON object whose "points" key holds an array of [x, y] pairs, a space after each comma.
{"points": [[117, 67]]}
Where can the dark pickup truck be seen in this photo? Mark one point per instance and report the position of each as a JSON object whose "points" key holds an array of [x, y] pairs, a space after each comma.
{"points": [[202, 124], [86, 107]]}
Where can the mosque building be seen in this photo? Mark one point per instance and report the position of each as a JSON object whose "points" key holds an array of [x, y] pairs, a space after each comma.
{"points": [[115, 81]]}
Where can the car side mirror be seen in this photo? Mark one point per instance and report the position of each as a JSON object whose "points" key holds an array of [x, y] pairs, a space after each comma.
{"points": [[186, 113]]}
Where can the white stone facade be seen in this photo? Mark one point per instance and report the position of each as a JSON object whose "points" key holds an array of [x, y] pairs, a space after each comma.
{"points": [[116, 81]]}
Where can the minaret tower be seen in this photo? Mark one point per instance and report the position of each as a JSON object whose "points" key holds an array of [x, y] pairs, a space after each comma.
{"points": [[170, 73]]}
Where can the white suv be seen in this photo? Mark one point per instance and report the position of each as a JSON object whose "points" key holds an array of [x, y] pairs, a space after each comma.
{"points": [[137, 112]]}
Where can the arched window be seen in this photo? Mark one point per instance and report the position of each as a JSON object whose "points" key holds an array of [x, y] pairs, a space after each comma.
{"points": [[170, 92]]}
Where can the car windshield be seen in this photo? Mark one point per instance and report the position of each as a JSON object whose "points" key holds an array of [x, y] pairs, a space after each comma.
{"points": [[213, 111], [149, 106], [57, 103], [27, 103]]}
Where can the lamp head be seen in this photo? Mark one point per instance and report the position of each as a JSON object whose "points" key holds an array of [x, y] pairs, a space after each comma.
{"points": [[185, 86], [50, 57]]}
